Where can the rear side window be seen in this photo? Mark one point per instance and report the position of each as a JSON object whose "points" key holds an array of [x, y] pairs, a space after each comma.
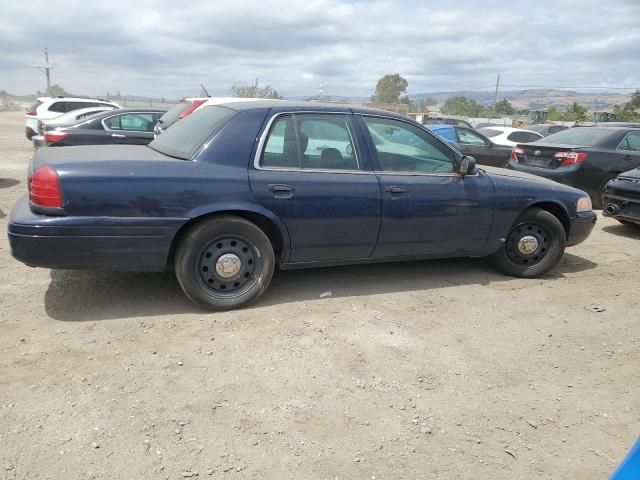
{"points": [[490, 132], [631, 142], [60, 107], [523, 137], [310, 141], [186, 137]]}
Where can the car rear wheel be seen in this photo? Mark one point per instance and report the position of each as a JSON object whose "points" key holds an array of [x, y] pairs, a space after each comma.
{"points": [[533, 246], [224, 263]]}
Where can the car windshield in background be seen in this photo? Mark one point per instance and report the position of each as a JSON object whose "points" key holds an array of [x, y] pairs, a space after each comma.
{"points": [[184, 138], [489, 132], [582, 136], [172, 114]]}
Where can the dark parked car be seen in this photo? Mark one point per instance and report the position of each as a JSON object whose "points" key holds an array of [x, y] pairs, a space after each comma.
{"points": [[546, 129], [230, 192], [133, 126], [471, 142], [586, 158], [622, 197]]}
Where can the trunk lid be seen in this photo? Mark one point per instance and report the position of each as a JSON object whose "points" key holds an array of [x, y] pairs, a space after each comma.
{"points": [[543, 156]]}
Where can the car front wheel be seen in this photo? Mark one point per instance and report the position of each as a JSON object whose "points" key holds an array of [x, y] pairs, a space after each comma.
{"points": [[533, 246], [223, 263]]}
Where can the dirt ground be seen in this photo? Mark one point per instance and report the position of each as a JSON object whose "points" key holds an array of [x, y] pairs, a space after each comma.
{"points": [[441, 369]]}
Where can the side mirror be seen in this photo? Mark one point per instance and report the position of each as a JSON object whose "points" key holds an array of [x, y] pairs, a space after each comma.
{"points": [[467, 165]]}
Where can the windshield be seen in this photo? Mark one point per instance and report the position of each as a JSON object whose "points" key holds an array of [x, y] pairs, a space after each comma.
{"points": [[172, 114], [185, 138], [583, 136]]}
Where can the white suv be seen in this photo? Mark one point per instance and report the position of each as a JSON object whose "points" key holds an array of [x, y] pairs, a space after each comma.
{"points": [[47, 108]]}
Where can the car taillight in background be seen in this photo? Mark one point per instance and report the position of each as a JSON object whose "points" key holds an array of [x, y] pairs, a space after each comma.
{"points": [[189, 110], [31, 112], [570, 158], [54, 136], [44, 188], [515, 152]]}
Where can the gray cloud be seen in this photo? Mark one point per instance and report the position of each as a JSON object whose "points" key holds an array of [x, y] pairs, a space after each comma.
{"points": [[161, 48]]}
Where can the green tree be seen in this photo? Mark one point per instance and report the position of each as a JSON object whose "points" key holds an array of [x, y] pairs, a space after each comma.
{"points": [[577, 112], [389, 88], [463, 106], [627, 113], [504, 107], [254, 91]]}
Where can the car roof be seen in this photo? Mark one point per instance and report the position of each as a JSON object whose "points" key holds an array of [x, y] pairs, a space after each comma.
{"points": [[109, 113], [293, 106], [75, 99], [510, 129], [440, 126]]}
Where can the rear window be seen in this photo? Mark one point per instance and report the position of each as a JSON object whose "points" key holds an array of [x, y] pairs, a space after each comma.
{"points": [[489, 132], [59, 107], [185, 138], [523, 137], [582, 136], [171, 115]]}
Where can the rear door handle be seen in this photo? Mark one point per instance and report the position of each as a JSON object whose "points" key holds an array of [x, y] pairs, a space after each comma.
{"points": [[282, 191], [118, 135], [395, 190]]}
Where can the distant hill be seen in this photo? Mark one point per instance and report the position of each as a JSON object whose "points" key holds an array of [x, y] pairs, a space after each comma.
{"points": [[536, 98]]}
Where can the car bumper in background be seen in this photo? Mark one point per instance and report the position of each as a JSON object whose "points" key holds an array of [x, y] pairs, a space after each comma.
{"points": [[105, 243], [38, 141], [622, 201], [581, 227]]}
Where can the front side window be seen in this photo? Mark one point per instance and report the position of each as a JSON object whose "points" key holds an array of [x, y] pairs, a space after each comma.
{"points": [[403, 147], [133, 122], [631, 143], [310, 141], [468, 137]]}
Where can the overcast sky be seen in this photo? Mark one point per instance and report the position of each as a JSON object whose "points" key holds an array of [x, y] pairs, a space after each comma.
{"points": [[167, 48]]}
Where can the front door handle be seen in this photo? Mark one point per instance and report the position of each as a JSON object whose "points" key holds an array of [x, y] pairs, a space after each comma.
{"points": [[282, 191], [395, 190], [118, 135]]}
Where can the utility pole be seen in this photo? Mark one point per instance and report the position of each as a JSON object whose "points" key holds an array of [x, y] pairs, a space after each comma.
{"points": [[495, 98], [45, 68]]}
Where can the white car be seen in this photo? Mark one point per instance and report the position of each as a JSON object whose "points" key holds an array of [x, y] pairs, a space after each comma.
{"points": [[510, 136], [71, 117], [48, 108]]}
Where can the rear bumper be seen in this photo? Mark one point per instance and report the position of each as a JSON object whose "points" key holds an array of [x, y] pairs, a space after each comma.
{"points": [[581, 227], [622, 200], [29, 132], [564, 175], [105, 243]]}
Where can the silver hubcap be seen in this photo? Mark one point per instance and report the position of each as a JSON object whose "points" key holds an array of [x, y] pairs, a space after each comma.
{"points": [[528, 244], [228, 265]]}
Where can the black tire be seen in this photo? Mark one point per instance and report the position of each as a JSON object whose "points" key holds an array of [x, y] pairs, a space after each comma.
{"points": [[549, 241], [224, 263]]}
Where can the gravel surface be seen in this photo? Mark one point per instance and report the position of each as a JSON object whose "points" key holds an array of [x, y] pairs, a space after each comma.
{"points": [[441, 369]]}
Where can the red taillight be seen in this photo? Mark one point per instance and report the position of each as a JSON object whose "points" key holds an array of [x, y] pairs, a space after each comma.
{"points": [[54, 136], [515, 152], [570, 158], [189, 110], [31, 112], [44, 188]]}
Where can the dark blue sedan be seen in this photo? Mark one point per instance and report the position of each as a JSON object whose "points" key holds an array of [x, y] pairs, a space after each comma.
{"points": [[235, 190]]}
